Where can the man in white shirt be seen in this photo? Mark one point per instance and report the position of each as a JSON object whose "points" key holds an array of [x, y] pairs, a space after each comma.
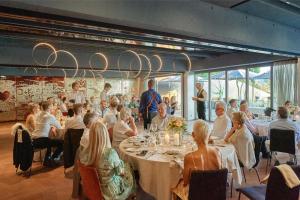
{"points": [[222, 123], [88, 119], [284, 123], [75, 122], [103, 108], [40, 135], [162, 119], [103, 94], [122, 130], [233, 108], [76, 96]]}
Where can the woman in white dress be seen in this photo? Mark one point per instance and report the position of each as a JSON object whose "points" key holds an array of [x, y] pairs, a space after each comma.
{"points": [[242, 139]]}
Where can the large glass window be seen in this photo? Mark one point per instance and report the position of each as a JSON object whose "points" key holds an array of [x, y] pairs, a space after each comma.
{"points": [[259, 88], [236, 84], [217, 92], [170, 86], [203, 78]]}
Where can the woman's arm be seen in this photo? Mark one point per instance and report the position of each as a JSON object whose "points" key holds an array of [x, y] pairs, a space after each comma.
{"points": [[186, 171], [133, 131], [231, 132]]}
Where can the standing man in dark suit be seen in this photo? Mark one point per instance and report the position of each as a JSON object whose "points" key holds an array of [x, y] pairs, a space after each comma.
{"points": [[200, 99], [149, 103]]}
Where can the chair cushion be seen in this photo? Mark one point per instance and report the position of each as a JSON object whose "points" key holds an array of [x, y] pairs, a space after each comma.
{"points": [[254, 192]]}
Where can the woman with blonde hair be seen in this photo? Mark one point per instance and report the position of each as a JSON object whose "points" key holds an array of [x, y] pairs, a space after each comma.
{"points": [[204, 158], [30, 119], [116, 179], [242, 139]]}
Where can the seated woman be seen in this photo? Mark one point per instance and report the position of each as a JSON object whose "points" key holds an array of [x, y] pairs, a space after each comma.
{"points": [[116, 179], [30, 119], [242, 139], [122, 130], [204, 158], [162, 119], [111, 117]]}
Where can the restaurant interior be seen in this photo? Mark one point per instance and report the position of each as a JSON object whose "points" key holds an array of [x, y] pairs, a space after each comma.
{"points": [[221, 78]]}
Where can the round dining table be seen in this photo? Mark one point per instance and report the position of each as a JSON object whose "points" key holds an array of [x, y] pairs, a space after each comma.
{"points": [[160, 166]]}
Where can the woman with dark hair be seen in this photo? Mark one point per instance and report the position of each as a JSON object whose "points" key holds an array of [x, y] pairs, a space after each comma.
{"points": [[30, 119]]}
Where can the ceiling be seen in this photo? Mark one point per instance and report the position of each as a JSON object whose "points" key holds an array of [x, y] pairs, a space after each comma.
{"points": [[86, 29], [286, 12]]}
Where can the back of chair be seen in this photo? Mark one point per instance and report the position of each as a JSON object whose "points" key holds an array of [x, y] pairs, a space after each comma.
{"points": [[208, 184], [90, 180], [282, 141], [71, 143], [277, 189]]}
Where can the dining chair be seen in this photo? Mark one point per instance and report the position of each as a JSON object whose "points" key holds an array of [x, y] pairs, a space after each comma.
{"points": [[276, 188], [208, 184], [90, 182], [72, 139], [282, 141]]}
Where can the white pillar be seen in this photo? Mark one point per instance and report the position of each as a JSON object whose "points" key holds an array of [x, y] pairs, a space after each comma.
{"points": [[297, 87], [188, 93]]}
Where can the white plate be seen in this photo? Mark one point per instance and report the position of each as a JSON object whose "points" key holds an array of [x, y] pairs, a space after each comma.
{"points": [[132, 149]]}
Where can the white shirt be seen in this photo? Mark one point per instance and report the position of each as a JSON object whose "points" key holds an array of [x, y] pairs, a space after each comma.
{"points": [[78, 96], [222, 126], [44, 121], [63, 108], [103, 95], [286, 124], [230, 111], [85, 138], [162, 123], [110, 118], [119, 133], [243, 142], [75, 122]]}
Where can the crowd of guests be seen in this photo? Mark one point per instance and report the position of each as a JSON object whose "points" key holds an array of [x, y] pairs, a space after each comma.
{"points": [[105, 123], [106, 127]]}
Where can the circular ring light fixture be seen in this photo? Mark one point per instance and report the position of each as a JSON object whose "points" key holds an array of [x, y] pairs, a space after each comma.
{"points": [[137, 56], [47, 64], [160, 62], [101, 55], [189, 61], [71, 55], [149, 65], [65, 73]]}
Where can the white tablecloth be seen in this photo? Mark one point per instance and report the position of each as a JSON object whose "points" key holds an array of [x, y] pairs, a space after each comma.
{"points": [[262, 126], [159, 172]]}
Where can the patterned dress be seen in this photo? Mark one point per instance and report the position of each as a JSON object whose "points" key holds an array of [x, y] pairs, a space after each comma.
{"points": [[116, 179]]}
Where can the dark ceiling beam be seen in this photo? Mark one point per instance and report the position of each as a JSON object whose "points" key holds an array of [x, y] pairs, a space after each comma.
{"points": [[235, 60], [193, 19]]}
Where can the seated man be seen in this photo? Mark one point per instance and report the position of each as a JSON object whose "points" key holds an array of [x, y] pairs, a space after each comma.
{"points": [[284, 123], [222, 123], [233, 108], [40, 135], [248, 123], [75, 122], [162, 119]]}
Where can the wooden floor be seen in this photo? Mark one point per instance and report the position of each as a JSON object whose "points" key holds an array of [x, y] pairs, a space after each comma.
{"points": [[51, 184]]}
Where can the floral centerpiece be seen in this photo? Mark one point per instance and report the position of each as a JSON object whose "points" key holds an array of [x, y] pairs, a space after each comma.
{"points": [[177, 124]]}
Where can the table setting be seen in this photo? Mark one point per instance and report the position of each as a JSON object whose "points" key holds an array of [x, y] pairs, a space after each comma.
{"points": [[159, 155]]}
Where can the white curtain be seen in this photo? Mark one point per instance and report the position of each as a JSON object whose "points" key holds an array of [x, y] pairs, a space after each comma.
{"points": [[285, 82]]}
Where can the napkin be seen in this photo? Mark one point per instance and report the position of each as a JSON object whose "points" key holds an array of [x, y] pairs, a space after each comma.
{"points": [[291, 179]]}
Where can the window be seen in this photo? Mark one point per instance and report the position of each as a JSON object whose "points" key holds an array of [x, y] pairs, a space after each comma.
{"points": [[236, 88], [217, 92], [203, 78], [169, 86], [259, 88]]}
